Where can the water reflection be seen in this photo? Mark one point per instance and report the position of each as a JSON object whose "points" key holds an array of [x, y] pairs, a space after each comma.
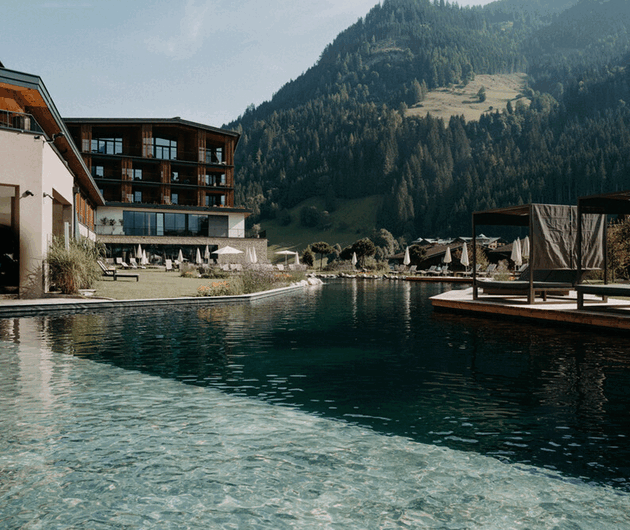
{"points": [[375, 354]]}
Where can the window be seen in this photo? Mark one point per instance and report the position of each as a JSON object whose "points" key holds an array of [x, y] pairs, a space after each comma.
{"points": [[136, 174], [217, 226], [214, 155], [175, 176], [174, 224], [207, 200], [107, 146], [98, 171], [137, 196], [164, 149], [174, 198]]}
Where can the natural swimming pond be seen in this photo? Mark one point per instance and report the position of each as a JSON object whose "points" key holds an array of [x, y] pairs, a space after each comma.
{"points": [[350, 405]]}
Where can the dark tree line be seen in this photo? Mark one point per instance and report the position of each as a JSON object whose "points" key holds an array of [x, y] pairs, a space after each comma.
{"points": [[338, 132]]}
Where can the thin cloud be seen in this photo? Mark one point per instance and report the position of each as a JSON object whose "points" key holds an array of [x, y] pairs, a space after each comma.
{"points": [[191, 35]]}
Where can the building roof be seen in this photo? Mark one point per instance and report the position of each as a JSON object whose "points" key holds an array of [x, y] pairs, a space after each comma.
{"points": [[30, 93], [608, 203], [154, 121]]}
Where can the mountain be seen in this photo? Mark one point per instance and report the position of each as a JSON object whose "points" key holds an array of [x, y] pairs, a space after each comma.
{"points": [[342, 131]]}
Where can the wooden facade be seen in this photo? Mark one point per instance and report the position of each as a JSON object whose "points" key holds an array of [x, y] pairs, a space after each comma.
{"points": [[161, 162]]}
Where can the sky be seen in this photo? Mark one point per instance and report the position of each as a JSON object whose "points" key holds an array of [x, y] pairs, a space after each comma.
{"points": [[201, 60]]}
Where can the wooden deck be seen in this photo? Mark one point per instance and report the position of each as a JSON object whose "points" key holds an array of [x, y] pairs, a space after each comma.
{"points": [[439, 279], [561, 310]]}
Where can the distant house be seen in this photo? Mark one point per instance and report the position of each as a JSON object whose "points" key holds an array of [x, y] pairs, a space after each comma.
{"points": [[46, 189]]}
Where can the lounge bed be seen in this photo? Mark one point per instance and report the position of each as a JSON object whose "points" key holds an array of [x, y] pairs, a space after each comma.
{"points": [[113, 273], [603, 204], [553, 252], [602, 290], [546, 282]]}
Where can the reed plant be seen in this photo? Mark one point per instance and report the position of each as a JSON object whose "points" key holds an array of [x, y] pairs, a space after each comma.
{"points": [[74, 266], [250, 281]]}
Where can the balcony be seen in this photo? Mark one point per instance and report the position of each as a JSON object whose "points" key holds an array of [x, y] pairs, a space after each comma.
{"points": [[19, 121]]}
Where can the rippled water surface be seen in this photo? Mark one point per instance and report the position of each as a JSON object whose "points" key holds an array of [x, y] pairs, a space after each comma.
{"points": [[350, 405]]}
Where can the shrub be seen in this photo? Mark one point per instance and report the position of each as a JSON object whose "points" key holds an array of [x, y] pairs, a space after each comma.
{"points": [[250, 281], [213, 273], [374, 265], [218, 288], [339, 266], [255, 281], [618, 244], [308, 258], [73, 268]]}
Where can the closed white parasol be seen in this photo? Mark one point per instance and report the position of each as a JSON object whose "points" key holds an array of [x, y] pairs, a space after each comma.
{"points": [[465, 261]]}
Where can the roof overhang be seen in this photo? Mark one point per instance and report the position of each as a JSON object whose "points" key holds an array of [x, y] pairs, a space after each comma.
{"points": [[607, 203], [155, 121], [511, 216], [27, 93]]}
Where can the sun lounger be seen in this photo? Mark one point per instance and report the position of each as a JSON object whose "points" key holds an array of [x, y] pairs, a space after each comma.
{"points": [[134, 264], [546, 282], [601, 290], [124, 265], [169, 265], [113, 273]]}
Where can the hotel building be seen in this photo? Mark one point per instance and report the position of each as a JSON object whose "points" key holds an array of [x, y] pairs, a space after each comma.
{"points": [[168, 184]]}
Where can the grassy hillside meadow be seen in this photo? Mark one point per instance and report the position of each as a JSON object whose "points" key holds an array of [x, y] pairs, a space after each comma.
{"points": [[352, 220], [463, 101], [355, 219]]}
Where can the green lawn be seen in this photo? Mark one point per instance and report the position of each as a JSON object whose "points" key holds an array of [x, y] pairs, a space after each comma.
{"points": [[154, 283]]}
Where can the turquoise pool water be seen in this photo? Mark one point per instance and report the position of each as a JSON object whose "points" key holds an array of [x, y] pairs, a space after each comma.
{"points": [[351, 405]]}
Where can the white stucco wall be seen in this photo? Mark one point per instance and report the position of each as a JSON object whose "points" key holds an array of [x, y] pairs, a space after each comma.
{"points": [[236, 225], [32, 165]]}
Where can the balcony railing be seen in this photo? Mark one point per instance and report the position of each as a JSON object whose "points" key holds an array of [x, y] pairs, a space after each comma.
{"points": [[20, 121], [107, 230]]}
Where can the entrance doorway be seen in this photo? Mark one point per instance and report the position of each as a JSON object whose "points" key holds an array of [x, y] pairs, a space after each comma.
{"points": [[9, 239]]}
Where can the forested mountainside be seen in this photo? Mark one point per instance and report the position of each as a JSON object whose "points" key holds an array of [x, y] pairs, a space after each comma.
{"points": [[340, 130]]}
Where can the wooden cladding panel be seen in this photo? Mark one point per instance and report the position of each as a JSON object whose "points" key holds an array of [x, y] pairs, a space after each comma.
{"points": [[147, 141]]}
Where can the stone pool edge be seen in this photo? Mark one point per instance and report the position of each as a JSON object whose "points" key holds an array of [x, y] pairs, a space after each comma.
{"points": [[35, 307]]}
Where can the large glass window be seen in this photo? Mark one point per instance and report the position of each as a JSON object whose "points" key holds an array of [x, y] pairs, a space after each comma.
{"points": [[174, 224], [139, 223], [164, 149], [107, 146], [217, 226]]}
